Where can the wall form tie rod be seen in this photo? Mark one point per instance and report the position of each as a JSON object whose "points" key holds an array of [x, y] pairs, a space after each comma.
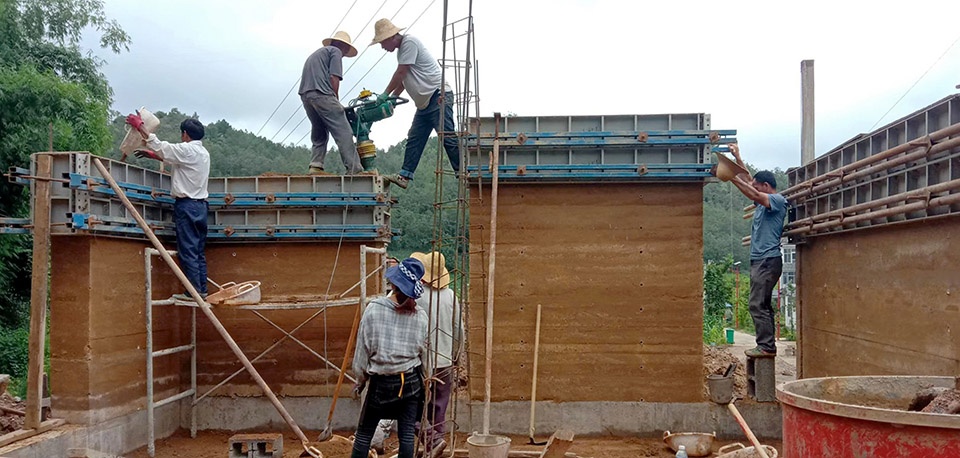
{"points": [[204, 307]]}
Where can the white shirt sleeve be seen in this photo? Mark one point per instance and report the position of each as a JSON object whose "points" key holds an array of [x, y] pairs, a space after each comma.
{"points": [[172, 153]]}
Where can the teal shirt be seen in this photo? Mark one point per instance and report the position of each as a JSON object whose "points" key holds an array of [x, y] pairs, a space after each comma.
{"points": [[768, 228]]}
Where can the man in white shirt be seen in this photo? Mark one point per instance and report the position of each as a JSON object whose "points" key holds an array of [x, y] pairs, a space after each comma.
{"points": [[190, 170], [420, 75]]}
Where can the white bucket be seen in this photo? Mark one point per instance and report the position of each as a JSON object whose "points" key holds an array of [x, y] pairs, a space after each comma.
{"points": [[132, 140], [488, 446]]}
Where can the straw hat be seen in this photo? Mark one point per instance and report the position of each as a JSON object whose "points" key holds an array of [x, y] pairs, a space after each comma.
{"points": [[384, 29], [344, 38], [435, 266], [727, 168]]}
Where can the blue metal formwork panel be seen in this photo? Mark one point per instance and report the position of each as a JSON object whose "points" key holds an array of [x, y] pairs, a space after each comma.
{"points": [[667, 147], [269, 207]]}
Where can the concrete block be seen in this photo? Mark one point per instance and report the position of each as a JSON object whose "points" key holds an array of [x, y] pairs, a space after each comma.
{"points": [[762, 379], [262, 445]]}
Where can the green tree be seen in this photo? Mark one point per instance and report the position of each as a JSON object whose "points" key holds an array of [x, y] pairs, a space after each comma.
{"points": [[47, 84]]}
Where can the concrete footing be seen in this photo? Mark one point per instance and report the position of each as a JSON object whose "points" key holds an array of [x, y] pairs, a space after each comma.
{"points": [[124, 434], [112, 437]]}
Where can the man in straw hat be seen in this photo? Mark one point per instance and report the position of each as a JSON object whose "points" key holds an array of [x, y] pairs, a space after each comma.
{"points": [[766, 261], [419, 74], [446, 336], [320, 93]]}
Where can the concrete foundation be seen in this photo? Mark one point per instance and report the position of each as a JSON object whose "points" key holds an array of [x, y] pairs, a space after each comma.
{"points": [[113, 437]]}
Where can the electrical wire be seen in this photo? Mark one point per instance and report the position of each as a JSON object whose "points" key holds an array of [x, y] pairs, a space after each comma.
{"points": [[915, 83], [350, 91], [357, 59], [295, 83]]}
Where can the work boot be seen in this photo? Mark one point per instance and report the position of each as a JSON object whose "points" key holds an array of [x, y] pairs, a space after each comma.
{"points": [[318, 171], [398, 180], [757, 352]]}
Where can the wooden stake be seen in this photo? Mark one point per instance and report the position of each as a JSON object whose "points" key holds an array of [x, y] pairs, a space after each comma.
{"points": [[488, 346], [202, 305], [533, 386], [38, 290]]}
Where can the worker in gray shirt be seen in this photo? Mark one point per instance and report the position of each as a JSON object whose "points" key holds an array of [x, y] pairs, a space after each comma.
{"points": [[320, 94], [766, 261]]}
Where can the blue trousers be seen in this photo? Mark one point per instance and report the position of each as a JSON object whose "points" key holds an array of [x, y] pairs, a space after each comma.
{"points": [[190, 217], [386, 400], [425, 122]]}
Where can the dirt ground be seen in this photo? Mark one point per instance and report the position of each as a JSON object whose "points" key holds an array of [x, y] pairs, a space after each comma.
{"points": [[214, 444], [10, 422]]}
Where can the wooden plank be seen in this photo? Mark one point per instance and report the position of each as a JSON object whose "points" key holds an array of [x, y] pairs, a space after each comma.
{"points": [[10, 438], [558, 444], [38, 291]]}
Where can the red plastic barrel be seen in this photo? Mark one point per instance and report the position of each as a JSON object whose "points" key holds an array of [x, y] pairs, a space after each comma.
{"points": [[864, 416]]}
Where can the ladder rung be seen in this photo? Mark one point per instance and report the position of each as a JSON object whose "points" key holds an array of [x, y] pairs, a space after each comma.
{"points": [[170, 351], [173, 398]]}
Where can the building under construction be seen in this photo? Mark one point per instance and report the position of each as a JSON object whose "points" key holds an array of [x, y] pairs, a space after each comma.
{"points": [[580, 242]]}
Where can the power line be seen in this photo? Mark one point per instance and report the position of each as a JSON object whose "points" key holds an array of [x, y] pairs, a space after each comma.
{"points": [[375, 63], [915, 83], [365, 49], [344, 17]]}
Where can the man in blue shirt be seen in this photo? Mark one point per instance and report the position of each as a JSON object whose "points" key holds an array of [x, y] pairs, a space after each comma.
{"points": [[766, 262]]}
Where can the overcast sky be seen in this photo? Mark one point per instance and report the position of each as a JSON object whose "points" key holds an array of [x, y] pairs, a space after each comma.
{"points": [[737, 60]]}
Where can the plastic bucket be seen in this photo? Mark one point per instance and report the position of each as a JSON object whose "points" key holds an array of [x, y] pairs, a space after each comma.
{"points": [[721, 388], [132, 140], [488, 446], [729, 332]]}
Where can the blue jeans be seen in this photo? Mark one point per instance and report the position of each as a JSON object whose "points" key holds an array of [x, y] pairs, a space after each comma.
{"points": [[424, 123], [190, 217], [386, 400]]}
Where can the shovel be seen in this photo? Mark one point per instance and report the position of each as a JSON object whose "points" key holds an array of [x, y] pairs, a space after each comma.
{"points": [[328, 430]]}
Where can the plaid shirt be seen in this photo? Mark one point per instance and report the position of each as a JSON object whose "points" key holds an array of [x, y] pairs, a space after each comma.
{"points": [[389, 342]]}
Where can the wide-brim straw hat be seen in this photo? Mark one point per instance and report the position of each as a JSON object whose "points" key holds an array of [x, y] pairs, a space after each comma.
{"points": [[344, 38], [435, 269], [384, 29], [727, 168]]}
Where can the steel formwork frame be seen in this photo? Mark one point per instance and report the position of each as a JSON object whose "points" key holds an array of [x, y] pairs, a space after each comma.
{"points": [[906, 170]]}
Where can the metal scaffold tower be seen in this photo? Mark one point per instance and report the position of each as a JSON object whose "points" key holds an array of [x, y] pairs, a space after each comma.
{"points": [[450, 207]]}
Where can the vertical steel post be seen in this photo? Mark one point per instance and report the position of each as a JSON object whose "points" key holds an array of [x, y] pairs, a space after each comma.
{"points": [[148, 314]]}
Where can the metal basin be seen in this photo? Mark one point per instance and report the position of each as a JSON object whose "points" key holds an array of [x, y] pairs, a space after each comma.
{"points": [[697, 444], [738, 450]]}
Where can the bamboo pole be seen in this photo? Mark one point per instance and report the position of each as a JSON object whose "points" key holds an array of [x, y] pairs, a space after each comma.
{"points": [[488, 344], [38, 291], [200, 302], [932, 137], [838, 178], [841, 213], [885, 213]]}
